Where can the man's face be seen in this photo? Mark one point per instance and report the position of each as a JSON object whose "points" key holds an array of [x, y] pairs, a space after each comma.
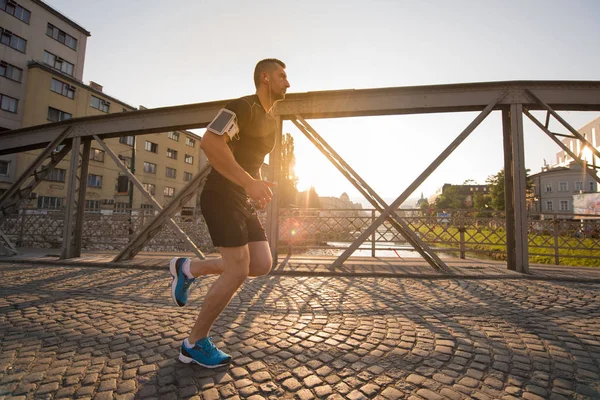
{"points": [[278, 83]]}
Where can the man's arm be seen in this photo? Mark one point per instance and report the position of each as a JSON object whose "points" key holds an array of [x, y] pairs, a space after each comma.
{"points": [[221, 158]]}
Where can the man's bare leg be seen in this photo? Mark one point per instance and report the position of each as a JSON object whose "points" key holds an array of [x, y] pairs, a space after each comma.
{"points": [[260, 262], [254, 259], [210, 266], [236, 266]]}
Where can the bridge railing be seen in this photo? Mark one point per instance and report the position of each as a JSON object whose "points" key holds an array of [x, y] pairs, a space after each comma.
{"points": [[553, 238]]}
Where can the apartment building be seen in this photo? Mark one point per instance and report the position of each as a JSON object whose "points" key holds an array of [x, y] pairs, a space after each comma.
{"points": [[554, 188], [30, 30], [41, 82], [163, 162]]}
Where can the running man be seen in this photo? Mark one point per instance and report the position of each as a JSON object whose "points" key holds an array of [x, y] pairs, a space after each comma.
{"points": [[236, 143]]}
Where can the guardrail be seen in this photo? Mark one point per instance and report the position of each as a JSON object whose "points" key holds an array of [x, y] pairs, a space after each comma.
{"points": [[552, 238]]}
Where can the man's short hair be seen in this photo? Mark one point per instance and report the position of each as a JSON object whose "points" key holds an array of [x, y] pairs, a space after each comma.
{"points": [[266, 65]]}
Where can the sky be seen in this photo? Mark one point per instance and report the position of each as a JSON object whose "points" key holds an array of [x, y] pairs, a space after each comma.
{"points": [[156, 53]]}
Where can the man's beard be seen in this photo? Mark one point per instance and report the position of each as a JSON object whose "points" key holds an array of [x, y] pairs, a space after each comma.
{"points": [[277, 96]]}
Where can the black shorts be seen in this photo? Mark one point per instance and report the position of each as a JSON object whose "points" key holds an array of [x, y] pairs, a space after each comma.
{"points": [[231, 219]]}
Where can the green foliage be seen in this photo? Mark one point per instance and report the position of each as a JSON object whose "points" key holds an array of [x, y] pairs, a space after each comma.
{"points": [[492, 243], [313, 199], [480, 201], [450, 199], [496, 183], [425, 207]]}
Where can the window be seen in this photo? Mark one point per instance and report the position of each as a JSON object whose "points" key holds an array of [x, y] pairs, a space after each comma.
{"points": [[128, 140], [126, 160], [121, 208], [94, 180], [564, 205], [57, 115], [62, 88], [61, 36], [122, 184], [56, 62], [548, 206], [99, 104], [14, 9], [8, 103], [189, 159], [56, 175], [169, 191], [10, 39], [152, 147], [171, 172], [548, 187], [172, 154], [92, 205], [592, 186], [150, 188], [563, 187], [187, 176], [579, 186], [190, 142], [174, 136], [149, 167], [97, 155], [47, 202], [11, 72], [4, 168]]}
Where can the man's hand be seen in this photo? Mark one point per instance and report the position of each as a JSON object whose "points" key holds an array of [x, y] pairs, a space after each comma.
{"points": [[260, 192]]}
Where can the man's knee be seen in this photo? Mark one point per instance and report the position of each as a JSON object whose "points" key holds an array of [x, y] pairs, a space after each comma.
{"points": [[261, 267], [236, 262]]}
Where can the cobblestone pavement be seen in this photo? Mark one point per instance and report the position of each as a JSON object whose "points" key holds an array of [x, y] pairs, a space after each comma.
{"points": [[72, 332]]}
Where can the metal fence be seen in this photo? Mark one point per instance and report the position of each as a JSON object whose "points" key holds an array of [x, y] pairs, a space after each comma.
{"points": [[553, 238], [110, 231]]}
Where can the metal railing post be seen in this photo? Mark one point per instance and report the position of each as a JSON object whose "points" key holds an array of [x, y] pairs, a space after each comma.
{"points": [[555, 233], [461, 230], [373, 235]]}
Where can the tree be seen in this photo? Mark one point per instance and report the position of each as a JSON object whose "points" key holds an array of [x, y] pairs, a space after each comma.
{"points": [[424, 206], [496, 183], [450, 199], [481, 201], [313, 198], [288, 181]]}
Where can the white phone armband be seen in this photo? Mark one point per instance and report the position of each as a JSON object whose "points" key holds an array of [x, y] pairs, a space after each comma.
{"points": [[225, 123]]}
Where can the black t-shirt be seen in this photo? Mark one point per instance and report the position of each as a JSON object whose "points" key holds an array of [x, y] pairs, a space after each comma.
{"points": [[254, 141]]}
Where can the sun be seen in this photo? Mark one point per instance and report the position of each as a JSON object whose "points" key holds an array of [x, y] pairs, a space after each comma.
{"points": [[305, 174]]}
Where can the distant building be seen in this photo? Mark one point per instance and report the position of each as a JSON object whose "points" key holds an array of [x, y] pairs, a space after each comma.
{"points": [[338, 202], [468, 190], [554, 188]]}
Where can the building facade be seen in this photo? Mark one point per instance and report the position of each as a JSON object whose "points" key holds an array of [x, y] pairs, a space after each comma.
{"points": [[554, 188], [30, 30], [42, 55]]}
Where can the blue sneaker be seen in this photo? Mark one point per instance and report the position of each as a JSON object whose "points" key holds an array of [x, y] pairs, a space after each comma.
{"points": [[204, 353], [180, 286]]}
